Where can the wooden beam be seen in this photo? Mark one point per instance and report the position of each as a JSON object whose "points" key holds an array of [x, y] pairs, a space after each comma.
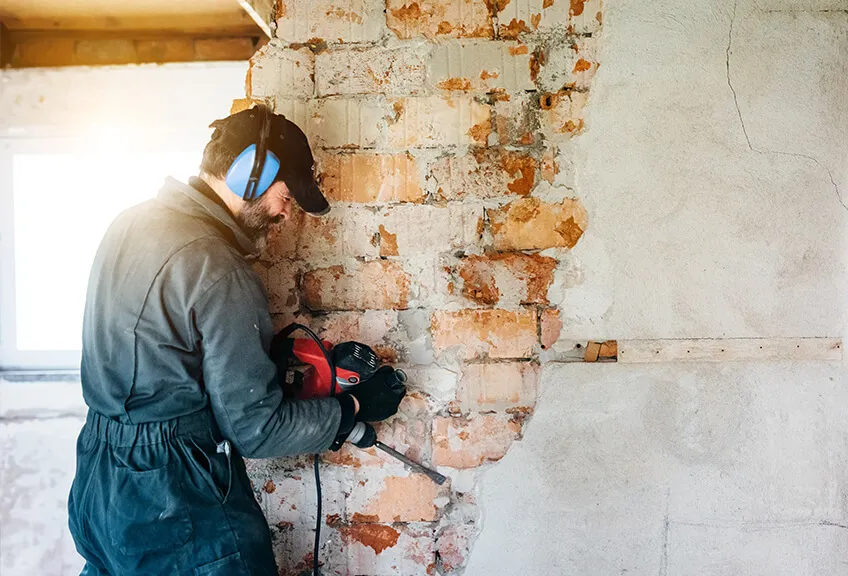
{"points": [[7, 48], [50, 48], [261, 11], [237, 23], [730, 350]]}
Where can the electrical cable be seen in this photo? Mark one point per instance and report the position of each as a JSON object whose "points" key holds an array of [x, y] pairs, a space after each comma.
{"points": [[317, 457]]}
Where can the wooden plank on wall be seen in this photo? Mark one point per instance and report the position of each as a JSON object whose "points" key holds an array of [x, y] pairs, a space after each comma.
{"points": [[730, 350]]}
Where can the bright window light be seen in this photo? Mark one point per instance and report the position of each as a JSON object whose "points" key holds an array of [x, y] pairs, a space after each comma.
{"points": [[63, 204]]}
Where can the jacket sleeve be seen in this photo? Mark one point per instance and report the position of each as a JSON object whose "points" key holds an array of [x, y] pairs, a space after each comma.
{"points": [[235, 328]]}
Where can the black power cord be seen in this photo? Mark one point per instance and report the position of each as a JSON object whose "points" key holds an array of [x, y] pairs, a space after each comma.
{"points": [[316, 461]]}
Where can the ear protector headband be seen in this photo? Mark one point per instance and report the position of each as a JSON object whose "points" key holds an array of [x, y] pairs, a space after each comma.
{"points": [[254, 169]]}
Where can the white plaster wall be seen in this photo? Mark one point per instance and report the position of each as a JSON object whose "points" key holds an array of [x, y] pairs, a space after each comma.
{"points": [[39, 423], [692, 233], [139, 98], [674, 470], [696, 230]]}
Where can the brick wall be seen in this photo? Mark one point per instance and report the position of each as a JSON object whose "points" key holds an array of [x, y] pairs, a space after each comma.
{"points": [[442, 130]]}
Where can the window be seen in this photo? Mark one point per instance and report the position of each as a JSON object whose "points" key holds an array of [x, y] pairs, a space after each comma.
{"points": [[64, 194], [60, 188]]}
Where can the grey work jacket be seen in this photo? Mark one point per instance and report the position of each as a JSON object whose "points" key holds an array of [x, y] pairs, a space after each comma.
{"points": [[176, 321]]}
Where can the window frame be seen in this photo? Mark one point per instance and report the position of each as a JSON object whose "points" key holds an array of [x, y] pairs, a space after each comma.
{"points": [[23, 141]]}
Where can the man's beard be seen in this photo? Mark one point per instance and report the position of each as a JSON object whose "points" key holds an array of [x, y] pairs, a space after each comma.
{"points": [[256, 222]]}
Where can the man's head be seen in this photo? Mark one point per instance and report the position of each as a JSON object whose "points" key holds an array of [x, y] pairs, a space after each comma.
{"points": [[233, 154]]}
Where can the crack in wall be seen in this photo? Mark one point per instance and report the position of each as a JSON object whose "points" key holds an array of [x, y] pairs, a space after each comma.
{"points": [[666, 525], [728, 51]]}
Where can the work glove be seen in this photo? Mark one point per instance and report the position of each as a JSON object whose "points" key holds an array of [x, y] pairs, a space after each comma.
{"points": [[380, 396], [365, 433], [281, 352], [369, 437]]}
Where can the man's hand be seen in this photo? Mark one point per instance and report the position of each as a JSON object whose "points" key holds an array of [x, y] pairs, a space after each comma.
{"points": [[368, 438], [379, 396]]}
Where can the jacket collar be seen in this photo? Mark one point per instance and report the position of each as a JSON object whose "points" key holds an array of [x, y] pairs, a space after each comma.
{"points": [[185, 199]]}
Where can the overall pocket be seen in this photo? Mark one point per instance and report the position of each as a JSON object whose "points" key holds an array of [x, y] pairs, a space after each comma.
{"points": [[232, 565], [149, 513]]}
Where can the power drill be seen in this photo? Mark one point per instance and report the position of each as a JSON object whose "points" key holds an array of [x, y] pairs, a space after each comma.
{"points": [[354, 363]]}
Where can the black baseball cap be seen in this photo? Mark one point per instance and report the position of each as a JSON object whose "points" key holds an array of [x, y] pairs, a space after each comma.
{"points": [[288, 142]]}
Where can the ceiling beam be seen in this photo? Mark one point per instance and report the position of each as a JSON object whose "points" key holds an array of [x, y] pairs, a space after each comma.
{"points": [[6, 46], [261, 11], [32, 49], [234, 23]]}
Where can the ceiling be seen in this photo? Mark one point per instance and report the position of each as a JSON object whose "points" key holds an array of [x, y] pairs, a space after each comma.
{"points": [[223, 16]]}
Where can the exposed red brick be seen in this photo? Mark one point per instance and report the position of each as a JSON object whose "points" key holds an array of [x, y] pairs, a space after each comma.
{"points": [[551, 327], [454, 545], [429, 229], [431, 18], [514, 28], [481, 333], [520, 49], [547, 3], [377, 285], [525, 278], [480, 132], [400, 499], [582, 65], [370, 178], [496, 6], [375, 536], [342, 14], [269, 486], [343, 457], [498, 386], [516, 120], [577, 7], [516, 163], [485, 173], [388, 242], [562, 112], [455, 84], [333, 520], [466, 442], [530, 224], [550, 167]]}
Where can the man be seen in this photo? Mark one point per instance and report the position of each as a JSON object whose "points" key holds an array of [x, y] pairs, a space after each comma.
{"points": [[176, 368]]}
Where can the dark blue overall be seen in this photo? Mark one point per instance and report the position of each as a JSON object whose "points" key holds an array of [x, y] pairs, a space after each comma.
{"points": [[176, 374]]}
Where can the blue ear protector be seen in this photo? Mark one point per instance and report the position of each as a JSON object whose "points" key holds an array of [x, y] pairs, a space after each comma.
{"points": [[254, 170]]}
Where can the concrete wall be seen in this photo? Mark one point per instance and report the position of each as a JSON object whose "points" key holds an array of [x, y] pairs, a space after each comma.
{"points": [[716, 139], [710, 157], [39, 423]]}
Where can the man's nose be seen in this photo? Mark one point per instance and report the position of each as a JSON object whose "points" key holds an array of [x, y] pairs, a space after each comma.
{"points": [[285, 213]]}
